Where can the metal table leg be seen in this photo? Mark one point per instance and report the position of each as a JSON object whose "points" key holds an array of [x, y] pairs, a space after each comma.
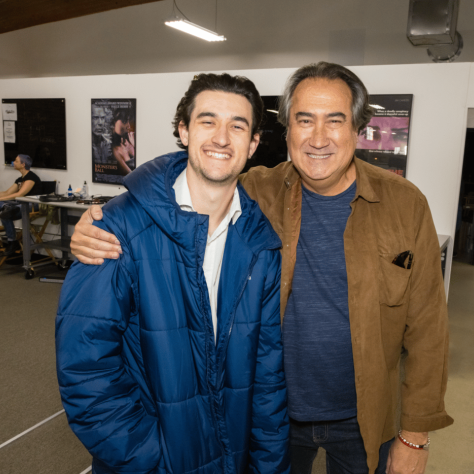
{"points": [[25, 220], [64, 231]]}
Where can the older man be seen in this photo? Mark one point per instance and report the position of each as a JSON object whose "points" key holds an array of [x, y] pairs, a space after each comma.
{"points": [[361, 282]]}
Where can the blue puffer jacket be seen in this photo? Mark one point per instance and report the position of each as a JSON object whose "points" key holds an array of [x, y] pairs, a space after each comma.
{"points": [[144, 386]]}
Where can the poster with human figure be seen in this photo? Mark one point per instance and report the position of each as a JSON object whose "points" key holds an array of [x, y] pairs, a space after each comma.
{"points": [[113, 139], [384, 142]]}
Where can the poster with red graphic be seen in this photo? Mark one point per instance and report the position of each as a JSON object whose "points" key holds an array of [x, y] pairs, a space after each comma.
{"points": [[384, 142]]}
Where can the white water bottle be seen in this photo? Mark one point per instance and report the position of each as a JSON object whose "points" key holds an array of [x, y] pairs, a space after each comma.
{"points": [[84, 192]]}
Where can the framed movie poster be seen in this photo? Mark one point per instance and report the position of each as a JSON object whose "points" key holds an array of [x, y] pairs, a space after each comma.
{"points": [[384, 142], [114, 139]]}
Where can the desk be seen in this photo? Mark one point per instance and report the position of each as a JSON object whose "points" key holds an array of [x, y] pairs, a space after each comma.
{"points": [[62, 244]]}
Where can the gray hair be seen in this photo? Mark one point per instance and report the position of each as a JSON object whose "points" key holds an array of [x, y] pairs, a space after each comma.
{"points": [[26, 160], [361, 110]]}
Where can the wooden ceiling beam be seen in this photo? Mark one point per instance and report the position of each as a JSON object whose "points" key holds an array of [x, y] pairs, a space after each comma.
{"points": [[19, 14]]}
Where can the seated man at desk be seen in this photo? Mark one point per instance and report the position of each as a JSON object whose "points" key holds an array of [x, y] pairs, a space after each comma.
{"points": [[28, 184]]}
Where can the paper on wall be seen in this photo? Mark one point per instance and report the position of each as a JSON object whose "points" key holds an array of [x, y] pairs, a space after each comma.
{"points": [[9, 132], [9, 112]]}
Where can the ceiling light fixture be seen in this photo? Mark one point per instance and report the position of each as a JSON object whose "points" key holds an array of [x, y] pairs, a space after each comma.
{"points": [[183, 24]]}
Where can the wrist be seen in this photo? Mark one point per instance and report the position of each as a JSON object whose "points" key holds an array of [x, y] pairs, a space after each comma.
{"points": [[414, 440]]}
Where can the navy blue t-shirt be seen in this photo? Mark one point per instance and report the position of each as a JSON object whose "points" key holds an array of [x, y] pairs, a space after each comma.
{"points": [[319, 367]]}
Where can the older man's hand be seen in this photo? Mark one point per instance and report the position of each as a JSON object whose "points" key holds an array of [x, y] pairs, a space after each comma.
{"points": [[405, 460], [90, 244]]}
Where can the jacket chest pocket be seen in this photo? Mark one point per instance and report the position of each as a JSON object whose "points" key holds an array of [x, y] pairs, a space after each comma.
{"points": [[393, 280]]}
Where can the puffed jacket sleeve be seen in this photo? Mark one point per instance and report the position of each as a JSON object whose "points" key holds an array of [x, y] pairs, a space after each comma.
{"points": [[269, 443], [101, 399], [426, 334]]}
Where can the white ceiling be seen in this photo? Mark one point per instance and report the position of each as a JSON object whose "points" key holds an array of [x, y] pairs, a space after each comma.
{"points": [[260, 34]]}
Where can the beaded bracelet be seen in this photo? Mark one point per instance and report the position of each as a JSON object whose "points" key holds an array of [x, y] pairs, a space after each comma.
{"points": [[413, 445]]}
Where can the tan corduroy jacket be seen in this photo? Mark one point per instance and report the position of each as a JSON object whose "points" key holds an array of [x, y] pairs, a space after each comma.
{"points": [[390, 308]]}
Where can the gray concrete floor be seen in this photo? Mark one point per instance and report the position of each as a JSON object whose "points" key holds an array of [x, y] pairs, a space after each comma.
{"points": [[29, 394]]}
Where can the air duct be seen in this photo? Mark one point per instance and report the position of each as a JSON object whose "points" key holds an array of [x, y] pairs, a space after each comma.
{"points": [[433, 23]]}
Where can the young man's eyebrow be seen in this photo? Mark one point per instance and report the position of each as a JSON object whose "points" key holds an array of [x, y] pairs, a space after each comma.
{"points": [[241, 119], [235, 118], [206, 114]]}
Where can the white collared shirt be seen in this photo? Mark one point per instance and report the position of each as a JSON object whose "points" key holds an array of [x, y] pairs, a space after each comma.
{"points": [[215, 243]]}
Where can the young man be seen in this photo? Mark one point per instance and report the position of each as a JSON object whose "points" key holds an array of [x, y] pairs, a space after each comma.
{"points": [[28, 184], [169, 358], [361, 280]]}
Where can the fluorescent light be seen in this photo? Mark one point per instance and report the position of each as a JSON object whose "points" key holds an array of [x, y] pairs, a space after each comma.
{"points": [[377, 106], [192, 29], [271, 110]]}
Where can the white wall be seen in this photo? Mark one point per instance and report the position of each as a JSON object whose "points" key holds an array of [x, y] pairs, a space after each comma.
{"points": [[442, 94]]}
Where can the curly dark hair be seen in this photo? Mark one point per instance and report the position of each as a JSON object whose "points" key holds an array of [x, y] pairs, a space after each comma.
{"points": [[218, 82], [361, 110]]}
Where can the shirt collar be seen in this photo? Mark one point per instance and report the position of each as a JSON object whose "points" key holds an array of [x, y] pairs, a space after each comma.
{"points": [[364, 189], [183, 198]]}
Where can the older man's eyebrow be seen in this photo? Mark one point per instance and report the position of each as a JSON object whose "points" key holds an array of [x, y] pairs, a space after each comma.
{"points": [[337, 114], [304, 114], [330, 115]]}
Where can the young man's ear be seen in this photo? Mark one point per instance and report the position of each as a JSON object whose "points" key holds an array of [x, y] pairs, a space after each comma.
{"points": [[183, 133], [254, 144]]}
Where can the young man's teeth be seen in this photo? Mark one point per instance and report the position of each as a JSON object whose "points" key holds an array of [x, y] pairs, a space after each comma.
{"points": [[218, 155]]}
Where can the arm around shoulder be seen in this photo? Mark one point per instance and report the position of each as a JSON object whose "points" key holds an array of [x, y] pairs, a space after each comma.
{"points": [[90, 244]]}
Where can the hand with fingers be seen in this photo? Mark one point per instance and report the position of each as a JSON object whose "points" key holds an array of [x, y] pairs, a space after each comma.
{"points": [[90, 244], [406, 455]]}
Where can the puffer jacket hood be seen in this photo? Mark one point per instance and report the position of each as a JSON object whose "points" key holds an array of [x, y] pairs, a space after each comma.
{"points": [[152, 185]]}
